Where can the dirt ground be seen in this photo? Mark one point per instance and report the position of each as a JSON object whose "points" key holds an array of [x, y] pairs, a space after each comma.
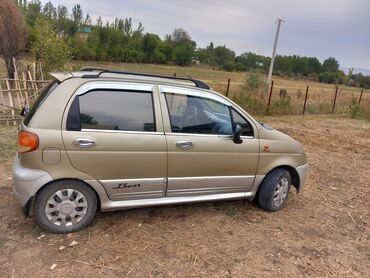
{"points": [[322, 232]]}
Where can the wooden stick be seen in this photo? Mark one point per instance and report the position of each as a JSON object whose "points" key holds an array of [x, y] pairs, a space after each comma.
{"points": [[32, 83], [25, 79], [11, 107], [2, 97], [42, 74], [34, 70], [18, 90], [11, 101], [25, 87]]}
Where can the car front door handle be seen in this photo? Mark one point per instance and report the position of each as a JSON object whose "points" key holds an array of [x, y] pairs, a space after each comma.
{"points": [[185, 145], [83, 142]]}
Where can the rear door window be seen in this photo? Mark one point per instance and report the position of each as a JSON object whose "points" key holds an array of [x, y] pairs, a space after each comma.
{"points": [[117, 110]]}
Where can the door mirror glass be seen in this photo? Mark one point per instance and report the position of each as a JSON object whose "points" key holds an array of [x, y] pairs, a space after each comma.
{"points": [[237, 134]]}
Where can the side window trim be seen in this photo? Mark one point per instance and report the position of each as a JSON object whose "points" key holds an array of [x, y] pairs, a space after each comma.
{"points": [[195, 93]]}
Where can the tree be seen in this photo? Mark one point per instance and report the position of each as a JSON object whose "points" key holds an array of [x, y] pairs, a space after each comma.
{"points": [[88, 20], [127, 27], [330, 65], [53, 52], [77, 15], [12, 34], [223, 57], [49, 10], [180, 37], [151, 43], [183, 55]]}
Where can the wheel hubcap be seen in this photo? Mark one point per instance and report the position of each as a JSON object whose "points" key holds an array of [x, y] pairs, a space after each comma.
{"points": [[66, 207], [281, 192]]}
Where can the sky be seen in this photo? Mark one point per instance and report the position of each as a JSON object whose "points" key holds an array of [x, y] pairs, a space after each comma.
{"points": [[319, 28]]}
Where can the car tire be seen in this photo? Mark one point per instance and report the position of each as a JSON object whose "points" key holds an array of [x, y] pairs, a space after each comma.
{"points": [[274, 190], [65, 206]]}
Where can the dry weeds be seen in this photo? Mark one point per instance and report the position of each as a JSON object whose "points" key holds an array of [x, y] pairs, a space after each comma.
{"points": [[322, 232]]}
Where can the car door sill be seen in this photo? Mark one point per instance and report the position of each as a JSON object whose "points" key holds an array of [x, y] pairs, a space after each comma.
{"points": [[129, 204]]}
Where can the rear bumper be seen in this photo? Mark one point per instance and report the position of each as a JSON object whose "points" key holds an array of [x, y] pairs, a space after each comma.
{"points": [[26, 182], [302, 172]]}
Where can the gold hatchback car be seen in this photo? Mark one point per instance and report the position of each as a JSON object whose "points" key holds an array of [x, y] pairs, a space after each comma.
{"points": [[109, 140]]}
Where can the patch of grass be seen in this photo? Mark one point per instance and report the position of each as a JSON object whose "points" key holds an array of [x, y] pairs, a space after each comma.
{"points": [[230, 211], [8, 148], [282, 107]]}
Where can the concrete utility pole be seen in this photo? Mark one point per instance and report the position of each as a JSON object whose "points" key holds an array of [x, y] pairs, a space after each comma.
{"points": [[279, 21]]}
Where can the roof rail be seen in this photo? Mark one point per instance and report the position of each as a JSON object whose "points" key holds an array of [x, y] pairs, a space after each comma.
{"points": [[198, 83]]}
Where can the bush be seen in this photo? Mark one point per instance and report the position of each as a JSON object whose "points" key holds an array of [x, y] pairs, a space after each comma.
{"points": [[251, 96], [250, 103], [354, 108], [253, 82], [229, 66]]}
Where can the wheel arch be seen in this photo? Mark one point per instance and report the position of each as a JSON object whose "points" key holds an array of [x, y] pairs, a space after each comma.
{"points": [[27, 208], [293, 174]]}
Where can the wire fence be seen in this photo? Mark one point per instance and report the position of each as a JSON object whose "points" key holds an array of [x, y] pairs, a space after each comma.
{"points": [[281, 99]]}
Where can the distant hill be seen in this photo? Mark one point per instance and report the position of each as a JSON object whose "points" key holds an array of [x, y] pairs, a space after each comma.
{"points": [[357, 70]]}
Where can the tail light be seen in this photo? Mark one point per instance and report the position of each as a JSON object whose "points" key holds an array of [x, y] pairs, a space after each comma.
{"points": [[27, 141]]}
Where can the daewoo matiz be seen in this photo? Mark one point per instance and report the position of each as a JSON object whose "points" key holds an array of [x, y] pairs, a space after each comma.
{"points": [[108, 140]]}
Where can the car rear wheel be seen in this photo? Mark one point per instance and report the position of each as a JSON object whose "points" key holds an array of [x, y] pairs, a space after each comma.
{"points": [[65, 206], [274, 190]]}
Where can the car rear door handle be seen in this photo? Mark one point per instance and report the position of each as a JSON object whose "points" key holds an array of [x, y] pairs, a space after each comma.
{"points": [[83, 142], [185, 145]]}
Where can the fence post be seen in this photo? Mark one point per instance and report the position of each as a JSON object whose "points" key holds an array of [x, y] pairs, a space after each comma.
{"points": [[11, 102], [269, 102], [2, 98], [335, 99], [305, 100], [228, 87], [359, 100]]}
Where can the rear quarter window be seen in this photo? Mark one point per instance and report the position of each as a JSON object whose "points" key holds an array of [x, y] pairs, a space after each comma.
{"points": [[45, 93]]}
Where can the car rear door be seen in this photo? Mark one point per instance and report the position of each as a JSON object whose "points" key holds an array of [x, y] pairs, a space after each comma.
{"points": [[114, 133], [202, 157]]}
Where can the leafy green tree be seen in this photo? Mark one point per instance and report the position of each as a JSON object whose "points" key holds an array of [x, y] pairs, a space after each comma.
{"points": [[330, 65], [183, 55], [151, 44], [53, 52]]}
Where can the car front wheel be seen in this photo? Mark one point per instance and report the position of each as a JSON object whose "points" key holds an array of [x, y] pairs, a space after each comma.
{"points": [[274, 190], [65, 206]]}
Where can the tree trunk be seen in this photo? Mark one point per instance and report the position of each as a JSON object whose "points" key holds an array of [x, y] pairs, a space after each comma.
{"points": [[10, 67]]}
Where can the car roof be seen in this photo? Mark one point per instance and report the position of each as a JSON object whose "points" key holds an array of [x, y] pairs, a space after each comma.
{"points": [[92, 73]]}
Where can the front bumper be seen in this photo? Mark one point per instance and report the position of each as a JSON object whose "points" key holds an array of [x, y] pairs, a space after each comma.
{"points": [[302, 172], [26, 181]]}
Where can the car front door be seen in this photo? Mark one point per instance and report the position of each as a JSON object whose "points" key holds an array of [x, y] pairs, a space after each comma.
{"points": [[202, 156], [114, 133]]}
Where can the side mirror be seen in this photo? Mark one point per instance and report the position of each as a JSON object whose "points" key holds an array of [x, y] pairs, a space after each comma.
{"points": [[237, 134]]}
